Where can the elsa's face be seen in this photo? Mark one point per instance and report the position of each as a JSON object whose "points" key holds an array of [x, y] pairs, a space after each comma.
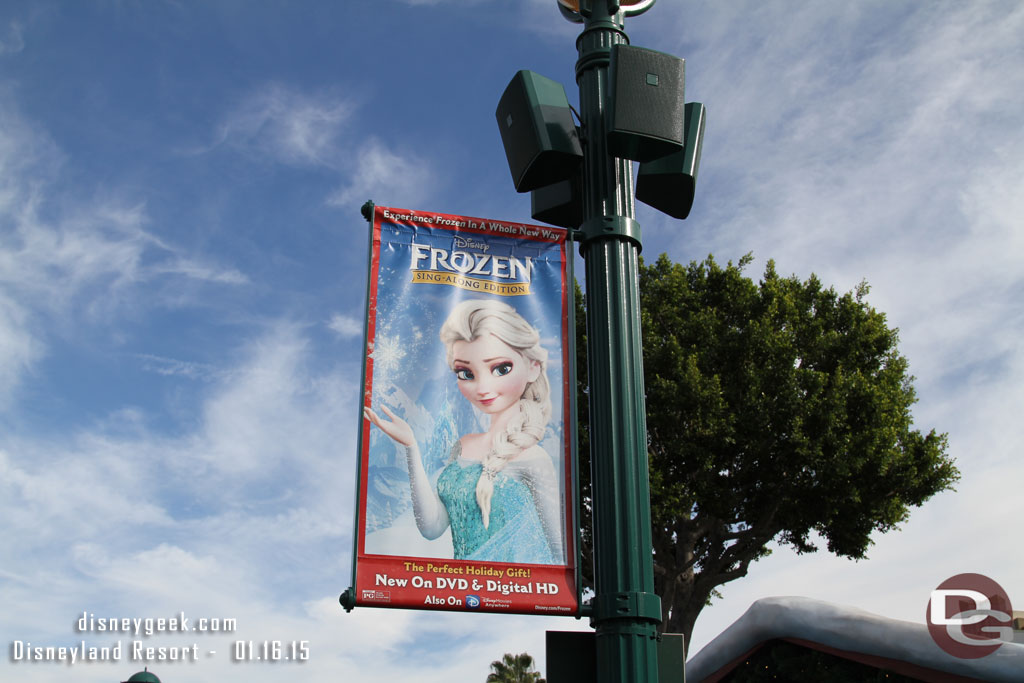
{"points": [[491, 374]]}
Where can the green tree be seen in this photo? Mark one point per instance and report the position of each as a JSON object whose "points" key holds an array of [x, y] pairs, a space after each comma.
{"points": [[777, 410], [514, 669]]}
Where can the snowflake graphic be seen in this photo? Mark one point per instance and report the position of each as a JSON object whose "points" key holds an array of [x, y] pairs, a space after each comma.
{"points": [[388, 353]]}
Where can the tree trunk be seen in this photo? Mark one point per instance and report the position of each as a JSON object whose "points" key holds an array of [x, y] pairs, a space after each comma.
{"points": [[682, 604], [685, 591], [683, 619]]}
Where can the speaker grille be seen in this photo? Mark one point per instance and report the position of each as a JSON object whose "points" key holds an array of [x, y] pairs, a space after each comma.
{"points": [[647, 90]]}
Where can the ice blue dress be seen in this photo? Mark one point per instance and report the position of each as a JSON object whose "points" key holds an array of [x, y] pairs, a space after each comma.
{"points": [[514, 532]]}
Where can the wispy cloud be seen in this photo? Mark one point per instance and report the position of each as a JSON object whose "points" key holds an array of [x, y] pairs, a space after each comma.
{"points": [[65, 261], [11, 40], [346, 327], [869, 156], [287, 126], [248, 426], [382, 172], [196, 269], [172, 367], [20, 347], [252, 468], [298, 128]]}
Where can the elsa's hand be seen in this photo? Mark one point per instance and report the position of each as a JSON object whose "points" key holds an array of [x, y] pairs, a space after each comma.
{"points": [[398, 429]]}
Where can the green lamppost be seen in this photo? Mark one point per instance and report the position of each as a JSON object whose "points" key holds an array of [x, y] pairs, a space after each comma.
{"points": [[631, 109], [626, 611]]}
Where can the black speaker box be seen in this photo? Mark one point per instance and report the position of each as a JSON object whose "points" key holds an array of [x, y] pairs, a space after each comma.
{"points": [[541, 142], [646, 115], [668, 184], [561, 203]]}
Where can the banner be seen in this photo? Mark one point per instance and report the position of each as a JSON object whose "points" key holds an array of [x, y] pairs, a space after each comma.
{"points": [[466, 491]]}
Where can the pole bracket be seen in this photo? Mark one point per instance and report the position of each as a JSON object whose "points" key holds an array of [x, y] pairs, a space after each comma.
{"points": [[606, 227], [634, 606], [348, 599]]}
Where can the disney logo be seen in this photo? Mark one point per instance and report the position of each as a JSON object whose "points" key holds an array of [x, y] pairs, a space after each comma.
{"points": [[466, 243]]}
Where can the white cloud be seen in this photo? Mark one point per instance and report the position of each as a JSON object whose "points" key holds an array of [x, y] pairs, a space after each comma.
{"points": [[346, 327], [288, 126], [247, 424], [97, 258], [173, 367], [159, 517], [19, 348], [380, 173], [196, 269], [52, 497], [833, 141], [24, 153], [292, 127], [12, 41], [65, 262]]}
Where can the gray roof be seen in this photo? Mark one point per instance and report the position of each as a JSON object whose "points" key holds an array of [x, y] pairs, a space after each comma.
{"points": [[851, 630]]}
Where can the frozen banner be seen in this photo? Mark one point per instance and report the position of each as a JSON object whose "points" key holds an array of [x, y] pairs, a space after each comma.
{"points": [[465, 476]]}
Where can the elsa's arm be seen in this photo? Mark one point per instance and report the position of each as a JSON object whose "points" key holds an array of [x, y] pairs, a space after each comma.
{"points": [[539, 475], [427, 508], [430, 513]]}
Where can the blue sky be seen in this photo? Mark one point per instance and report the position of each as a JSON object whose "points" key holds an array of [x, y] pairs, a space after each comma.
{"points": [[182, 268]]}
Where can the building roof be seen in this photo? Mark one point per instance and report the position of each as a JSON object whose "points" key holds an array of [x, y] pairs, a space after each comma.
{"points": [[903, 646]]}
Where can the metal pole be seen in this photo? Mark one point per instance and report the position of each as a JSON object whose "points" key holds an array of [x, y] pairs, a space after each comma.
{"points": [[626, 611]]}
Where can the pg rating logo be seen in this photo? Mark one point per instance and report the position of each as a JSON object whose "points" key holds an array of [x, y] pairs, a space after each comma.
{"points": [[969, 616]]}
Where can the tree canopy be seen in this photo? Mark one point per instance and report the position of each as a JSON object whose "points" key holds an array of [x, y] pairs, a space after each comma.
{"points": [[777, 410], [514, 669]]}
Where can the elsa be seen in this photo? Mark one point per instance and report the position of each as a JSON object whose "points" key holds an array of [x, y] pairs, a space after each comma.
{"points": [[499, 490]]}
